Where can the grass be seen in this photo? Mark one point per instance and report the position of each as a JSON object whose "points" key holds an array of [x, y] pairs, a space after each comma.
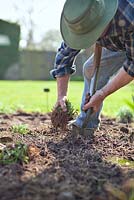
{"points": [[29, 96]]}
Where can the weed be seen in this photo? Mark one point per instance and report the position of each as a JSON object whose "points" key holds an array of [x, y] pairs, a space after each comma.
{"points": [[125, 115], [121, 161], [21, 128], [17, 153]]}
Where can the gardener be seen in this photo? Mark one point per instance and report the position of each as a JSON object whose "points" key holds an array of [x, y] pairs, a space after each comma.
{"points": [[109, 24]]}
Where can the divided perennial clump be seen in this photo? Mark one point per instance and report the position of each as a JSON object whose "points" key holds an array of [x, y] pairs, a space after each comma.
{"points": [[60, 119]]}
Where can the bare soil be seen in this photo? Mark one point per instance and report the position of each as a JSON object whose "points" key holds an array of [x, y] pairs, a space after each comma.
{"points": [[68, 167]]}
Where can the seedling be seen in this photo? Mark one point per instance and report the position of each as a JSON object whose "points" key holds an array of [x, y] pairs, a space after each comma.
{"points": [[125, 115], [14, 154], [21, 128]]}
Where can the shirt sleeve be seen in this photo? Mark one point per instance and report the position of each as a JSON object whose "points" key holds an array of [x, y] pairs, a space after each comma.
{"points": [[64, 60], [129, 63]]}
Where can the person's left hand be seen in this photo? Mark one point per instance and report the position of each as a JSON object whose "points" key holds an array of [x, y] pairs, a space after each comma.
{"points": [[95, 101]]}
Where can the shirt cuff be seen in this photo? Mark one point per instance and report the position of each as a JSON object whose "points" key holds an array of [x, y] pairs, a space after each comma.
{"points": [[62, 71], [129, 67]]}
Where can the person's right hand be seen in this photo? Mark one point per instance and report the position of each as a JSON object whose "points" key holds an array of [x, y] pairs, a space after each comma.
{"points": [[62, 103]]}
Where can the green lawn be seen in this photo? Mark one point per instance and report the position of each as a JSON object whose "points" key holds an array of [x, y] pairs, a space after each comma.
{"points": [[29, 96]]}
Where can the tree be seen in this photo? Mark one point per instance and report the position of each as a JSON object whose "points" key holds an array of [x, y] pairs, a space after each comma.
{"points": [[51, 40], [26, 18]]}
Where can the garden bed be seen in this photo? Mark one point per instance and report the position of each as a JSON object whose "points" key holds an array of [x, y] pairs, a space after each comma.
{"points": [[68, 167]]}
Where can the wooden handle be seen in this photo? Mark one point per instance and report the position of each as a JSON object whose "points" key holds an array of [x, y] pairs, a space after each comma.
{"points": [[97, 59], [97, 55]]}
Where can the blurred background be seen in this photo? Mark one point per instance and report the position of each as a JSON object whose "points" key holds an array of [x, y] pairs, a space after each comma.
{"points": [[29, 39]]}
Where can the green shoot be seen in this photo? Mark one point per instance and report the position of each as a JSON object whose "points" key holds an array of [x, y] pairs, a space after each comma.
{"points": [[16, 154], [21, 128], [125, 115]]}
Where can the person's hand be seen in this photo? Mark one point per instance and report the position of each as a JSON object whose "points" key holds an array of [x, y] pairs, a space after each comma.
{"points": [[95, 101], [62, 103]]}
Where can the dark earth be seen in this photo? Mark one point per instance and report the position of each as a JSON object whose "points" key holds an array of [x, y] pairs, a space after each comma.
{"points": [[69, 167]]}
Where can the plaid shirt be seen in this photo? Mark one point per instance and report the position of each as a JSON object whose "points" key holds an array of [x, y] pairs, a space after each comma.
{"points": [[118, 37]]}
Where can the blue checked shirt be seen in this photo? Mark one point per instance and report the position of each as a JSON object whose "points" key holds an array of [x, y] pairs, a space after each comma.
{"points": [[118, 37]]}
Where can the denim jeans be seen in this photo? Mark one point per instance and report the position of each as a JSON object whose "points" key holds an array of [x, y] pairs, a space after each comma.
{"points": [[111, 62]]}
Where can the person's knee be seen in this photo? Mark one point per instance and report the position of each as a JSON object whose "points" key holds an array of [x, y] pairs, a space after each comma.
{"points": [[85, 67], [88, 70]]}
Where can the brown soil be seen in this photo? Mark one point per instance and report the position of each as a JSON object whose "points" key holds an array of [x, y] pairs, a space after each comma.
{"points": [[68, 167]]}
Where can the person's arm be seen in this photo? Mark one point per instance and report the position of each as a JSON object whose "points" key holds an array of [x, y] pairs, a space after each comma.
{"points": [[62, 86], [63, 68], [64, 61], [121, 79]]}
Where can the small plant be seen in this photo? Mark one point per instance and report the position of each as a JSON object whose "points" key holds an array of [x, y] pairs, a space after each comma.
{"points": [[17, 153], [125, 115], [72, 113], [21, 128]]}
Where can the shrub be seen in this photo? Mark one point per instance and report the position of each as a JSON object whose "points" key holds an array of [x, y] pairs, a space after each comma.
{"points": [[125, 115]]}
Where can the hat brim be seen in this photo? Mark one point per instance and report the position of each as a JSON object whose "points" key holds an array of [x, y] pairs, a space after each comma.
{"points": [[83, 41]]}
